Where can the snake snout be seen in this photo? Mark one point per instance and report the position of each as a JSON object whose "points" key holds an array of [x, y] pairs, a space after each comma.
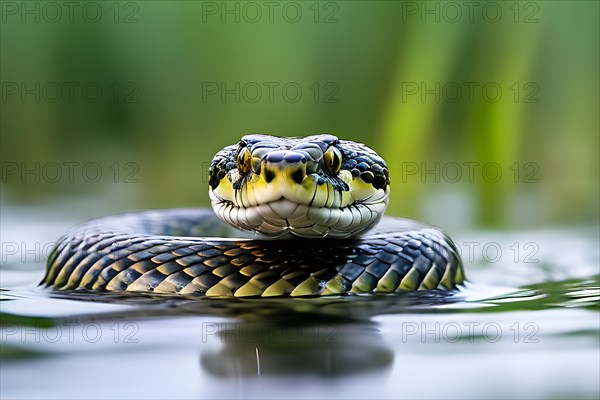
{"points": [[288, 164], [289, 156]]}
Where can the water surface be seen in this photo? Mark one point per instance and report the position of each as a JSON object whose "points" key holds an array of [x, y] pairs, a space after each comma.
{"points": [[526, 325]]}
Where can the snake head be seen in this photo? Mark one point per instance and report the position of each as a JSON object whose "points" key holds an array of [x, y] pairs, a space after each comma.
{"points": [[307, 187]]}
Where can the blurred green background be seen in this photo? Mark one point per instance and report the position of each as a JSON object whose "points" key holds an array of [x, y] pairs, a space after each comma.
{"points": [[486, 112]]}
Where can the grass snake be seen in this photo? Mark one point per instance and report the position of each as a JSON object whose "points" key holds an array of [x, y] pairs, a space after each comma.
{"points": [[312, 212]]}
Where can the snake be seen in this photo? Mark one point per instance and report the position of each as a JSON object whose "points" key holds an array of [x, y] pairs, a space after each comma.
{"points": [[291, 217]]}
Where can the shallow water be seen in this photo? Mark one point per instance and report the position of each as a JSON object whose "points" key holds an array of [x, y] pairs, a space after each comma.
{"points": [[526, 325]]}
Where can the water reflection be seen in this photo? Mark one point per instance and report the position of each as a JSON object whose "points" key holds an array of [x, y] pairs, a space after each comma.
{"points": [[326, 350], [343, 346]]}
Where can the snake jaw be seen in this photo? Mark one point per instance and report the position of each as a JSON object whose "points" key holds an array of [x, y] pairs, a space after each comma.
{"points": [[283, 187]]}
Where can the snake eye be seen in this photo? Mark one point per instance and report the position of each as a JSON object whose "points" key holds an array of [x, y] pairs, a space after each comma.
{"points": [[244, 158], [333, 160]]}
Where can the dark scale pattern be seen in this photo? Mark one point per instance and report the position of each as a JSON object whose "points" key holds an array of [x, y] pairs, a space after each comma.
{"points": [[364, 162], [134, 252], [223, 161]]}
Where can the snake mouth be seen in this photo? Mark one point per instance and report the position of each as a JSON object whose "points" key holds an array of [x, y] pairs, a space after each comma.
{"points": [[283, 218], [309, 187]]}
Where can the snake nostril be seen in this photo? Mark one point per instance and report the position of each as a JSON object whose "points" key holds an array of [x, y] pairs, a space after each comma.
{"points": [[298, 176], [269, 176]]}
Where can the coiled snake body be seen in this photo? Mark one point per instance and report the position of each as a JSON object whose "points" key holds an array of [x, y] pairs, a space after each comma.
{"points": [[315, 208]]}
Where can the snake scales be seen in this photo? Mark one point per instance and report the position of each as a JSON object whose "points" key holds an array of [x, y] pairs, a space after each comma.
{"points": [[315, 206]]}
